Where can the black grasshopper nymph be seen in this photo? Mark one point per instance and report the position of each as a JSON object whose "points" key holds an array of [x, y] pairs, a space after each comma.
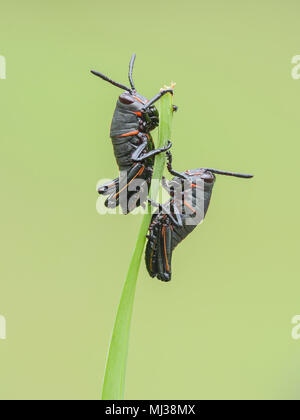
{"points": [[134, 118], [190, 195]]}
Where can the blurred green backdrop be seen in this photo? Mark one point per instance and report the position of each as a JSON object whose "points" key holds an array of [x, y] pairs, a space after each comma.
{"points": [[222, 328]]}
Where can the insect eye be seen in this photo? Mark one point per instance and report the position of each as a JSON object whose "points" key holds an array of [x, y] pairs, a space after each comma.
{"points": [[126, 99]]}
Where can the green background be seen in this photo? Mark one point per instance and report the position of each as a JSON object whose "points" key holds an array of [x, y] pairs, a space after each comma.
{"points": [[222, 328]]}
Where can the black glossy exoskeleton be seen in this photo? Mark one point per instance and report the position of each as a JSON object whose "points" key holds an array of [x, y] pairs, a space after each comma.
{"points": [[133, 119], [190, 193]]}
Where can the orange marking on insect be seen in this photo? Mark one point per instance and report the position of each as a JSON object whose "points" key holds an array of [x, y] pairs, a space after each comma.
{"points": [[124, 188], [138, 99], [166, 256], [189, 206], [139, 114], [132, 133], [196, 186]]}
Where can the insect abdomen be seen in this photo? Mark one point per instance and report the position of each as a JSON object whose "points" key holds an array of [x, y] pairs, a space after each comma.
{"points": [[123, 149], [180, 233]]}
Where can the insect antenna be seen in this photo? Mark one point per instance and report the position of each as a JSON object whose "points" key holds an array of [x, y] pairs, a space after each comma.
{"points": [[131, 64], [237, 175], [107, 79]]}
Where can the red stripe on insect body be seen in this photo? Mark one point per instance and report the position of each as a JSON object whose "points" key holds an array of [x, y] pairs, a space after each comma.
{"points": [[191, 174], [139, 100], [132, 133], [165, 249]]}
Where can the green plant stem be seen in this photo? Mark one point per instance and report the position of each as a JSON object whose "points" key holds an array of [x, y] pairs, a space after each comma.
{"points": [[115, 371]]}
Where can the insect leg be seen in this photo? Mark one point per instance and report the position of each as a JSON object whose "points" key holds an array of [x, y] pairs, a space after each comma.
{"points": [[118, 192], [137, 195], [107, 189], [170, 167], [177, 220], [136, 158], [157, 205], [137, 153], [157, 97], [111, 190], [165, 184]]}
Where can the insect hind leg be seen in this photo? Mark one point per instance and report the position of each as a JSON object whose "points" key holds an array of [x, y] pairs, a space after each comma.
{"points": [[159, 249], [132, 187], [129, 191], [107, 189], [111, 190]]}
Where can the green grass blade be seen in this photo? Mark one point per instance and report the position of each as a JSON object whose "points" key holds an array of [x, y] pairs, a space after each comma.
{"points": [[115, 371]]}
